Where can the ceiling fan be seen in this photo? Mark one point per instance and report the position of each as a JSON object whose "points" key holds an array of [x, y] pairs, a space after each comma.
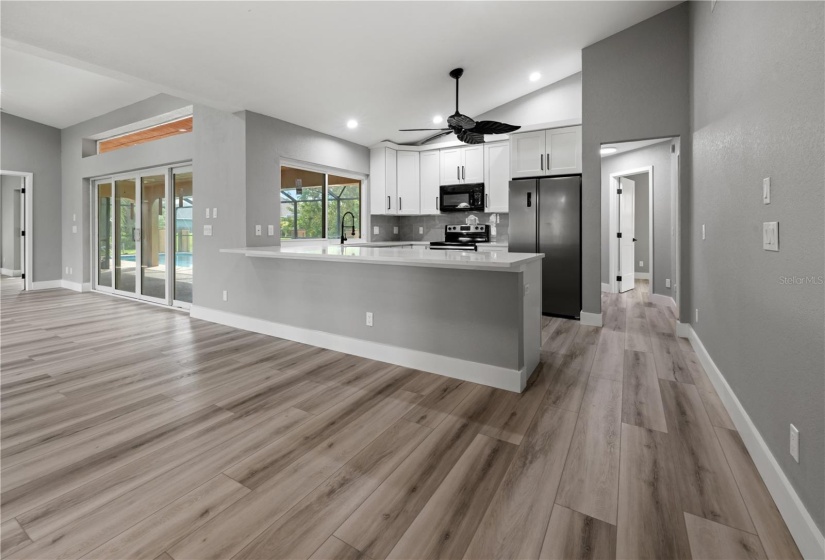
{"points": [[466, 129]]}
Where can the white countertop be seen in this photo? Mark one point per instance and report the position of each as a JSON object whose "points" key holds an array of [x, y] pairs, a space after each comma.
{"points": [[418, 255]]}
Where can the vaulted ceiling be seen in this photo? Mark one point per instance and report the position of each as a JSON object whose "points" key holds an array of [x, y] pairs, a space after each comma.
{"points": [[319, 64]]}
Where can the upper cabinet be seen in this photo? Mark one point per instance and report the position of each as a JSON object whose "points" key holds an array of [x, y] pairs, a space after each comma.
{"points": [[462, 165], [497, 177], [383, 181], [430, 178], [409, 194], [557, 151]]}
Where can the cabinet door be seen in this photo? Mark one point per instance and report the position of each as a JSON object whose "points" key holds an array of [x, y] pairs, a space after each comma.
{"points": [[408, 183], [564, 151], [430, 178], [472, 164], [527, 154], [378, 181], [391, 181], [451, 166], [496, 177]]}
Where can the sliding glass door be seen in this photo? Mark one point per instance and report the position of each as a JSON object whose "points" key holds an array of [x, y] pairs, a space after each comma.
{"points": [[137, 245]]}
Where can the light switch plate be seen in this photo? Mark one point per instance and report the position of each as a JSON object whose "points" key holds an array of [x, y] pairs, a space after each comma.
{"points": [[207, 229], [770, 236], [257, 229], [667, 282], [641, 263], [215, 212], [420, 230], [207, 213], [270, 229], [375, 230], [74, 229], [74, 217], [225, 295], [766, 190], [703, 231]]}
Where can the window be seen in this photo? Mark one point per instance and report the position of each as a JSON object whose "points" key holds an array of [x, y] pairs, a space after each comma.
{"points": [[144, 135], [313, 204]]}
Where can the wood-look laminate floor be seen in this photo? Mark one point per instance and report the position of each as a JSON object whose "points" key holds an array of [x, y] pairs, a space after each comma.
{"points": [[133, 431]]}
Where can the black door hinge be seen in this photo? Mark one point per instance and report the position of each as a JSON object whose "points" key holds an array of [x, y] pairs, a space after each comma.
{"points": [[619, 235], [618, 278], [618, 191], [22, 191], [23, 276], [23, 233]]}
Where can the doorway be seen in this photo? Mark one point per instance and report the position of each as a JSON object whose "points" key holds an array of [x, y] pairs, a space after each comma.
{"points": [[141, 249], [15, 213], [632, 247]]}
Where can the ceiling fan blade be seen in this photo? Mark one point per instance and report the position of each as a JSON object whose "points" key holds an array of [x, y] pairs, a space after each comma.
{"points": [[433, 138], [470, 137], [421, 129], [493, 127], [461, 121]]}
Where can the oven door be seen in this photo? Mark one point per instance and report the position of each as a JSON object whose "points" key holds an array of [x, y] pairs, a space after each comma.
{"points": [[460, 198]]}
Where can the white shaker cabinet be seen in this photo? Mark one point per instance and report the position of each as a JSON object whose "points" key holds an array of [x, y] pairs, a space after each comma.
{"points": [[497, 177], [556, 151], [383, 181], [430, 177], [409, 194], [462, 165]]}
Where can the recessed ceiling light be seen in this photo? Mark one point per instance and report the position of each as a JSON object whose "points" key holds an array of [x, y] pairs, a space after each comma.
{"points": [[607, 151], [181, 130], [535, 77], [437, 119], [352, 123]]}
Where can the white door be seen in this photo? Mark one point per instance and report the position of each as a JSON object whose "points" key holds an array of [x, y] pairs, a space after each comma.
{"points": [[497, 177], [408, 183], [564, 151], [527, 154], [451, 166], [430, 179], [627, 241], [472, 165]]}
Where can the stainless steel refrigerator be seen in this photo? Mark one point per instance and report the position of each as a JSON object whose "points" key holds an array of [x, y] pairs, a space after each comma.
{"points": [[545, 217]]}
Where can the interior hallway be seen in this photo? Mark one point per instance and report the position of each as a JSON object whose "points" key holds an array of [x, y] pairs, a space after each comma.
{"points": [[131, 430]]}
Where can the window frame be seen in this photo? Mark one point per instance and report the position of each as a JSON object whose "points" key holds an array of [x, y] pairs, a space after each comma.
{"points": [[326, 171]]}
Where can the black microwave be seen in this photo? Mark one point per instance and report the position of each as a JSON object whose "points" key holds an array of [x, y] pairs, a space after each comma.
{"points": [[462, 198]]}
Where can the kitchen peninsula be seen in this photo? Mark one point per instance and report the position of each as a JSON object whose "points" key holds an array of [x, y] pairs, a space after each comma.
{"points": [[463, 314]]}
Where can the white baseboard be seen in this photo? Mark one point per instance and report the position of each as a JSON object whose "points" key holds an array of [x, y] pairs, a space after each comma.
{"points": [[47, 285], [606, 288], [659, 299], [592, 319], [10, 272], [683, 330], [484, 374], [77, 286], [807, 535], [642, 275]]}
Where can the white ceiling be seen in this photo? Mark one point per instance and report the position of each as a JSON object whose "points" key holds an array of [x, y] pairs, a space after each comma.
{"points": [[58, 95], [318, 64]]}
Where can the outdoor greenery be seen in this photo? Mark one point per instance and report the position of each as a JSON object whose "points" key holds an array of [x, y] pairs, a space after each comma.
{"points": [[308, 207]]}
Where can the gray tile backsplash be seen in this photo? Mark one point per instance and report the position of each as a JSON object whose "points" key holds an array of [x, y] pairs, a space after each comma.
{"points": [[408, 226]]}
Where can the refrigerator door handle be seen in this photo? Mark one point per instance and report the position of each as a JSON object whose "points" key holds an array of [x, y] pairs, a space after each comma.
{"points": [[529, 199]]}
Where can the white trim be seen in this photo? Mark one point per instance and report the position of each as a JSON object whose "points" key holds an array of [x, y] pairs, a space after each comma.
{"points": [[659, 299], [46, 285], [591, 319], [27, 226], [808, 537], [642, 275], [10, 272], [77, 286], [485, 374], [607, 288], [613, 265], [144, 124]]}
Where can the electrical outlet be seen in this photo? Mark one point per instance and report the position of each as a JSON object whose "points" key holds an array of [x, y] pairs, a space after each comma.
{"points": [[369, 318], [667, 282], [67, 270], [74, 217], [697, 314], [270, 229], [420, 230], [703, 231], [70, 270], [207, 213], [375, 230], [257, 229], [74, 229], [795, 443], [766, 190], [225, 295], [214, 212], [770, 236], [207, 229], [641, 263], [395, 229]]}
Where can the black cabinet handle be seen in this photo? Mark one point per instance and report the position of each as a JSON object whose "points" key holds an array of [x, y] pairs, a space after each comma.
{"points": [[541, 161], [458, 173], [399, 204], [462, 173], [388, 202]]}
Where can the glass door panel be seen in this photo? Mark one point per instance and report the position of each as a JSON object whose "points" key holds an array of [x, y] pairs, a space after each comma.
{"points": [[125, 254], [152, 236], [105, 238], [183, 247]]}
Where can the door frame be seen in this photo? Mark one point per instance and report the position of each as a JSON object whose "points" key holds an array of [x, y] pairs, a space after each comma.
{"points": [[613, 244], [27, 225]]}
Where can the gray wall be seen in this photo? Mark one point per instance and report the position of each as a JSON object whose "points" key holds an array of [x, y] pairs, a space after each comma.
{"points": [[758, 73], [642, 222], [635, 86], [35, 148], [76, 171], [658, 156], [411, 305], [10, 222]]}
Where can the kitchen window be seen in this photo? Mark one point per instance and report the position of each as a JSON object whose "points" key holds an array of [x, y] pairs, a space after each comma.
{"points": [[313, 203]]}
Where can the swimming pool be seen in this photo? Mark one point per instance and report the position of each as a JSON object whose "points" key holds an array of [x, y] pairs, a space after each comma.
{"points": [[182, 260]]}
